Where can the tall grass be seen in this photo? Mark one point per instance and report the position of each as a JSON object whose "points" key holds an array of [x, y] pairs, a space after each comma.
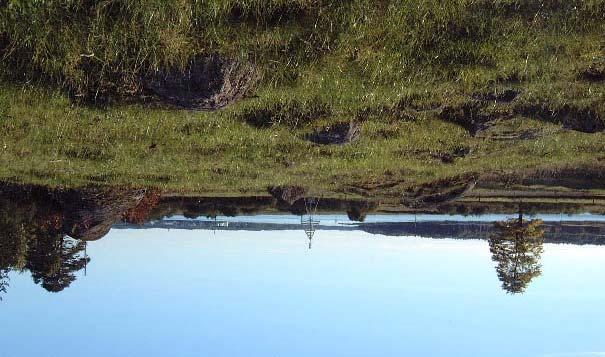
{"points": [[96, 47], [391, 64]]}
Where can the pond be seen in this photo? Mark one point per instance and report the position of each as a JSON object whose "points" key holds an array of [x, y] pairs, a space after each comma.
{"points": [[83, 279]]}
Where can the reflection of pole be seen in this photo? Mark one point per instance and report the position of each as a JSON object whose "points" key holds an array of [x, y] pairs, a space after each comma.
{"points": [[85, 257], [519, 232], [309, 224]]}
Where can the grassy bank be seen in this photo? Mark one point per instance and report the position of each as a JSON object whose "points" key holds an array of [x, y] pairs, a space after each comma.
{"points": [[46, 139], [428, 82]]}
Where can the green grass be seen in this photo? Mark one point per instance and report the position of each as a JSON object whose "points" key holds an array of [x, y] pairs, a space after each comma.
{"points": [[392, 65], [48, 140], [101, 47]]}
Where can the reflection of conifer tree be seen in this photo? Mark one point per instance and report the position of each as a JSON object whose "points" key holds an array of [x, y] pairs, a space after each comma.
{"points": [[517, 246], [54, 259]]}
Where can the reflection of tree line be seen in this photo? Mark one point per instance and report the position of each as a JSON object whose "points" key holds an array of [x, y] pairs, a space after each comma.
{"points": [[516, 247], [53, 259], [37, 226], [36, 230]]}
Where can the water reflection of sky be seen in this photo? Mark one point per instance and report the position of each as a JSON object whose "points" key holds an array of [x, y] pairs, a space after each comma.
{"points": [[156, 292], [343, 219]]}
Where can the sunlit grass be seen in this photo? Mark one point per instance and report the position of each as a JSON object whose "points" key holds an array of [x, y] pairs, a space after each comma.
{"points": [[391, 65], [45, 139]]}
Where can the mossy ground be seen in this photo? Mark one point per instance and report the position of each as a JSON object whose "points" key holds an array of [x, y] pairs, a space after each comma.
{"points": [[391, 65]]}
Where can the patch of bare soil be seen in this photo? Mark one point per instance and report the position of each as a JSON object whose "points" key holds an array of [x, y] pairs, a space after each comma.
{"points": [[498, 134], [288, 194], [582, 177], [336, 134], [383, 186], [477, 115], [444, 156], [595, 72], [208, 83], [293, 114], [505, 96], [450, 157], [473, 115], [439, 191], [583, 119]]}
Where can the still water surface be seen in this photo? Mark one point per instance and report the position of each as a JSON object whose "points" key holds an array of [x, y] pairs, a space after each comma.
{"points": [[150, 291]]}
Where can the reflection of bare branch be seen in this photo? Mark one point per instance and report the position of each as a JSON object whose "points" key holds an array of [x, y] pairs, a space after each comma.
{"points": [[4, 279], [517, 246]]}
